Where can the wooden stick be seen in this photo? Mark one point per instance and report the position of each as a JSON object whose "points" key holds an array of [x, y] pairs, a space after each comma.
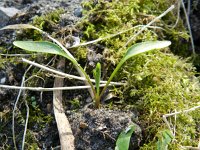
{"points": [[64, 128]]}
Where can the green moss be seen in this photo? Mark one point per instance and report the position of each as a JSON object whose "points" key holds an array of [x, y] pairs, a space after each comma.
{"points": [[47, 22], [37, 116], [31, 142], [160, 83], [102, 18], [157, 82], [81, 53], [75, 103]]}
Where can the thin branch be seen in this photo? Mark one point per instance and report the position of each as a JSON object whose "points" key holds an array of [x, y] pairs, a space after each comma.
{"points": [[26, 124], [190, 148], [48, 89], [183, 111], [113, 35], [63, 125], [149, 24], [64, 74], [15, 107], [175, 113], [189, 28], [188, 8], [178, 14]]}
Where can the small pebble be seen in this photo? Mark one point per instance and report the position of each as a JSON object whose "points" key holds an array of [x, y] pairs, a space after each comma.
{"points": [[78, 12], [3, 80], [49, 108], [83, 125]]}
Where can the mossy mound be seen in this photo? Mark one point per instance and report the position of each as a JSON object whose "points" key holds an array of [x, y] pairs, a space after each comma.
{"points": [[158, 82], [161, 83]]}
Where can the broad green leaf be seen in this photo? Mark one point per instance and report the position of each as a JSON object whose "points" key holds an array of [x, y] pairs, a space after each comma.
{"points": [[97, 76], [144, 47], [164, 139], [135, 50], [42, 47], [124, 138]]}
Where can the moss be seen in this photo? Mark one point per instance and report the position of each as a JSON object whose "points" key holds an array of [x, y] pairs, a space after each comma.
{"points": [[160, 83], [31, 142], [81, 53], [37, 117], [47, 22], [103, 18], [157, 82], [75, 103]]}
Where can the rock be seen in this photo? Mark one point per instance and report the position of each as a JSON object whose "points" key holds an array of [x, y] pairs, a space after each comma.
{"points": [[72, 41], [6, 14], [3, 77], [27, 1], [78, 12]]}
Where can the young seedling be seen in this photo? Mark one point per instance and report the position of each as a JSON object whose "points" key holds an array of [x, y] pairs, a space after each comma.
{"points": [[48, 47], [124, 138], [97, 76]]}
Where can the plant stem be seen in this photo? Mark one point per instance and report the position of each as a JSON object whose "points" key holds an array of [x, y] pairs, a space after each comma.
{"points": [[88, 79], [97, 101], [112, 76]]}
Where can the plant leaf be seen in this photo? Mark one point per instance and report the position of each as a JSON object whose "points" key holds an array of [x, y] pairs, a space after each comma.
{"points": [[135, 50], [97, 76], [144, 47], [42, 47], [164, 139], [124, 138]]}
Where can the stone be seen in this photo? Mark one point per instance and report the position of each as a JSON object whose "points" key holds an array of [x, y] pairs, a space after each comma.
{"points": [[6, 14], [3, 77], [78, 12]]}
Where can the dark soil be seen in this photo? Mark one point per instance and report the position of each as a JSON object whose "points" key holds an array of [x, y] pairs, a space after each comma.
{"points": [[99, 129]]}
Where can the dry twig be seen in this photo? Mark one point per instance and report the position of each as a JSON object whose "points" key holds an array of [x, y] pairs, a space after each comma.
{"points": [[64, 74], [13, 116], [64, 128]]}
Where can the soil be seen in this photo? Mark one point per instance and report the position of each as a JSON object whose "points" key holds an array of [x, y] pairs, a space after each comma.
{"points": [[98, 129]]}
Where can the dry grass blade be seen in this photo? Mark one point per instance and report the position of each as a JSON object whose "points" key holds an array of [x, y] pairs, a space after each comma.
{"points": [[64, 74]]}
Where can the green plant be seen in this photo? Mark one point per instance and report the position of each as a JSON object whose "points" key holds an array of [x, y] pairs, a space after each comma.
{"points": [[48, 47], [164, 139], [124, 138]]}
